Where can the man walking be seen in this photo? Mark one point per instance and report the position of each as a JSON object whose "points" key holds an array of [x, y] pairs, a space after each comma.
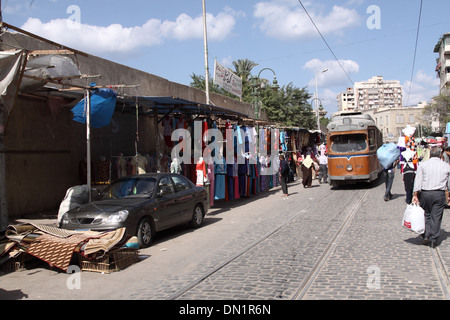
{"points": [[284, 176], [323, 168], [389, 174], [432, 179]]}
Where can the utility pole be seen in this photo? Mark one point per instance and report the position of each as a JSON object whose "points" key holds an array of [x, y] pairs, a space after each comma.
{"points": [[1, 20], [3, 116], [205, 41]]}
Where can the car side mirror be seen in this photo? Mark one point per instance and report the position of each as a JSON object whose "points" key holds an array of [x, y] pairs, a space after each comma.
{"points": [[161, 193]]}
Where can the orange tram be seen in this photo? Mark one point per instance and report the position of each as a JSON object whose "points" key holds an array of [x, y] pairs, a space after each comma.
{"points": [[352, 142]]}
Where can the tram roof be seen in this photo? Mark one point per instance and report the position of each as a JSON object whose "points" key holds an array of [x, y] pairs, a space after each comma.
{"points": [[350, 121]]}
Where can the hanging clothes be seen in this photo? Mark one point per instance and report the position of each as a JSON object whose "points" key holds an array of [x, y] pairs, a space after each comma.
{"points": [[211, 178], [220, 171], [167, 124], [201, 172]]}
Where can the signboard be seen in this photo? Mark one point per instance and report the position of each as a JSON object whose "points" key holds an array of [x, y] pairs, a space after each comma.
{"points": [[227, 80]]}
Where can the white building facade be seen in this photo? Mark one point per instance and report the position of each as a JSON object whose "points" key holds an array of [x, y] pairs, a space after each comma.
{"points": [[443, 63], [378, 93]]}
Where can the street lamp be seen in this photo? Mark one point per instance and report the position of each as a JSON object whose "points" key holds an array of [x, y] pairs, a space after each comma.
{"points": [[256, 93], [316, 98]]}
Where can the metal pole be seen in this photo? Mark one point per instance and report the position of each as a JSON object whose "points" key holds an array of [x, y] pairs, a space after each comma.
{"points": [[205, 41], [316, 98], [1, 29], [3, 195], [88, 143]]}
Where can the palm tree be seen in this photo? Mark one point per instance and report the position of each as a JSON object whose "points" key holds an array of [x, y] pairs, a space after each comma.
{"points": [[243, 68]]}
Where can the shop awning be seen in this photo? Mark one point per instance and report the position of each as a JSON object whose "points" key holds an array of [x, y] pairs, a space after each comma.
{"points": [[174, 105]]}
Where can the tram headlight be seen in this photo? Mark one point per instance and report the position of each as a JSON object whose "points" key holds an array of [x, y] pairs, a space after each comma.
{"points": [[349, 167]]}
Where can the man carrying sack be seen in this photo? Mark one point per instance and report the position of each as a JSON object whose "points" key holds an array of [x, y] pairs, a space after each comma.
{"points": [[432, 179]]}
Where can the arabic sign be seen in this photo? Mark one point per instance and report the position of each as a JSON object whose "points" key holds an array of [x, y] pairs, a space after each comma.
{"points": [[227, 80]]}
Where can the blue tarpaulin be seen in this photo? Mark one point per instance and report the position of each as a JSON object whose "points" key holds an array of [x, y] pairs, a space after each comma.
{"points": [[103, 103]]}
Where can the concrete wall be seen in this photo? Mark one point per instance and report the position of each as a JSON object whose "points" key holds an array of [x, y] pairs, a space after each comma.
{"points": [[44, 146]]}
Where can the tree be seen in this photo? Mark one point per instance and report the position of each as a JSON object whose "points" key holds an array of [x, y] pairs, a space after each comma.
{"points": [[243, 68], [439, 107], [288, 105]]}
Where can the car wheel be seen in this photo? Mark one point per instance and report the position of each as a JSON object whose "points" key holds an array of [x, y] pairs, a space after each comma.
{"points": [[197, 217], [145, 233]]}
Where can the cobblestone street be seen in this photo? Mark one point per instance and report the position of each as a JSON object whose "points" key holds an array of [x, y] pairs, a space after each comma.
{"points": [[322, 243]]}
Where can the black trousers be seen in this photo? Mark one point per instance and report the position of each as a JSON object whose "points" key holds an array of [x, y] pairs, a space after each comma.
{"points": [[284, 181], [433, 203], [408, 180]]}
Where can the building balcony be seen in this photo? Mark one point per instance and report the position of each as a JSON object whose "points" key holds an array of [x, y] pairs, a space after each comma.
{"points": [[447, 49]]}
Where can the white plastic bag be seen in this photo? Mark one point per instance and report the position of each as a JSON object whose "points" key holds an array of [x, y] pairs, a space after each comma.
{"points": [[414, 218]]}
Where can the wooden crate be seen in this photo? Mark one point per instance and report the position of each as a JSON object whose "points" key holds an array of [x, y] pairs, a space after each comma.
{"points": [[16, 264], [110, 262]]}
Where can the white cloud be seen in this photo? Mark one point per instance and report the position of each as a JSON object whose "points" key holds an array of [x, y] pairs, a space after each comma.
{"points": [[423, 88], [335, 76], [290, 22], [116, 38]]}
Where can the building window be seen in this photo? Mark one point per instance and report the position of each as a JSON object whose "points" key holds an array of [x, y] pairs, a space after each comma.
{"points": [[400, 118], [411, 118]]}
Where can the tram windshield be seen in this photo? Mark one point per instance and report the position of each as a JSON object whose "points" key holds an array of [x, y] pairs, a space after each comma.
{"points": [[349, 143]]}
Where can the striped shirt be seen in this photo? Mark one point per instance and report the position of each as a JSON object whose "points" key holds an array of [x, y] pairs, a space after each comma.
{"points": [[433, 174]]}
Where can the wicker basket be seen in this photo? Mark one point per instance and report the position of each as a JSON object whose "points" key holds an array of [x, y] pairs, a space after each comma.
{"points": [[110, 262], [16, 264]]}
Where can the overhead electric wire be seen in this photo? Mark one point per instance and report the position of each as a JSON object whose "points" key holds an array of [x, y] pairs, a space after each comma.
{"points": [[323, 38], [415, 52]]}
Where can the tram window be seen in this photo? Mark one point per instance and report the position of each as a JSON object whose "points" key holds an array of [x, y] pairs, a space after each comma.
{"points": [[372, 142], [348, 143]]}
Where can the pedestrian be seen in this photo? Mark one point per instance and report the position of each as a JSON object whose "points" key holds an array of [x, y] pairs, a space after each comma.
{"points": [[408, 170], [284, 176], [432, 179], [307, 167], [446, 159], [389, 174], [323, 168]]}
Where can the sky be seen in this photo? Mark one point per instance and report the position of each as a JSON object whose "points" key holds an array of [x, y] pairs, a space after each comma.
{"points": [[354, 39]]}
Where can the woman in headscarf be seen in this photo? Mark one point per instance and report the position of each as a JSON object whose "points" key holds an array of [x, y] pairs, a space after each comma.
{"points": [[307, 167]]}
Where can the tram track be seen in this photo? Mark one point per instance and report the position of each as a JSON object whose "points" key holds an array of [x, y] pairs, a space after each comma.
{"points": [[310, 277], [246, 249], [441, 271], [309, 280]]}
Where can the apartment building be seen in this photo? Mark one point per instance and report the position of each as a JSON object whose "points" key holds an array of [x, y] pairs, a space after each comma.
{"points": [[443, 63], [378, 93], [346, 100]]}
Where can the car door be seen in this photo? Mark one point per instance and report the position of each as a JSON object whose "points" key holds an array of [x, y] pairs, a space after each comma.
{"points": [[167, 210], [185, 196]]}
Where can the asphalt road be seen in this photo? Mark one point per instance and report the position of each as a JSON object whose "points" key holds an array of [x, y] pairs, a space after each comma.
{"points": [[321, 243]]}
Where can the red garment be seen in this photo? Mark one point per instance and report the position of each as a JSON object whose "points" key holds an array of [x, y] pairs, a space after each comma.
{"points": [[200, 166]]}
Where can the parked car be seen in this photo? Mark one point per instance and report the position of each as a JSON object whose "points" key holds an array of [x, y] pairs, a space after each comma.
{"points": [[144, 204]]}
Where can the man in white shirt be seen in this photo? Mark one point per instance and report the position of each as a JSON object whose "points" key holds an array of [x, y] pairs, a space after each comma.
{"points": [[432, 179], [323, 168]]}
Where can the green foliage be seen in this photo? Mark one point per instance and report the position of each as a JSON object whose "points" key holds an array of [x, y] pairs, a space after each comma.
{"points": [[440, 107], [288, 106]]}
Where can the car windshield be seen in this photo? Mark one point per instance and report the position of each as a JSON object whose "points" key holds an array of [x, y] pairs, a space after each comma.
{"points": [[130, 187], [348, 143]]}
